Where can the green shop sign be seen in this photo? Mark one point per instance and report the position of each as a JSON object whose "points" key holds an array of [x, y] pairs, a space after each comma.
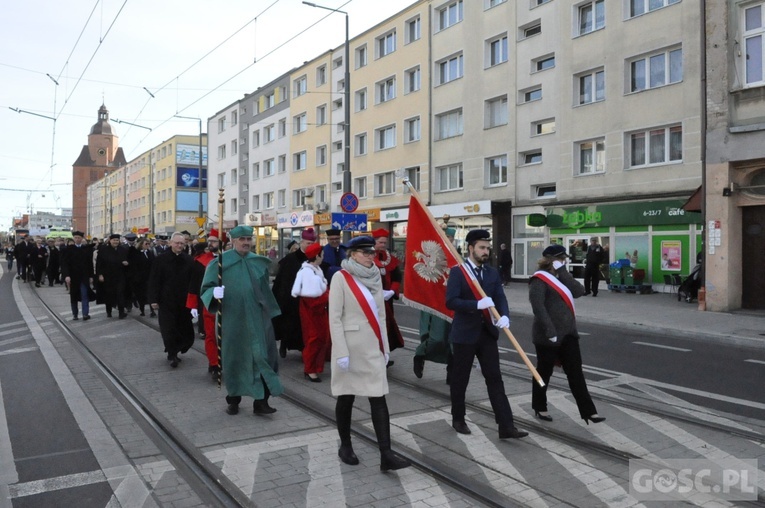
{"points": [[645, 213]]}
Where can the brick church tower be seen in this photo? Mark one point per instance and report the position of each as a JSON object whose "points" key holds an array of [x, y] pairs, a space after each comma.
{"points": [[100, 156]]}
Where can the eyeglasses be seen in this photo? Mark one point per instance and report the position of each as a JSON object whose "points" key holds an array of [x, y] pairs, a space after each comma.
{"points": [[366, 252]]}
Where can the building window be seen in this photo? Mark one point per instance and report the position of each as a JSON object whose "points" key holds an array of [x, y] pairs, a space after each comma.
{"points": [[592, 87], [321, 115], [337, 146], [385, 184], [300, 124], [638, 7], [386, 137], [298, 198], [496, 112], [361, 56], [234, 118], [488, 4], [321, 155], [233, 176], [299, 161], [530, 29], [283, 127], [321, 193], [656, 70], [386, 90], [221, 182], [656, 146], [300, 86], [221, 152], [361, 100], [268, 199], [413, 30], [540, 2], [412, 130], [360, 187], [449, 69], [255, 139], [269, 167], [281, 196], [496, 170], [255, 170], [255, 202], [233, 147], [592, 157], [221, 124], [412, 82], [233, 205], [449, 125], [450, 15], [386, 44], [754, 44], [496, 51], [321, 75], [413, 175], [269, 133], [449, 177], [543, 63], [543, 191], [531, 157], [360, 142], [282, 164], [543, 127], [592, 16], [530, 95], [337, 62], [269, 101]]}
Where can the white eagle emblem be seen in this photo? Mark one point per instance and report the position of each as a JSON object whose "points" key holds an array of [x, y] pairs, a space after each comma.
{"points": [[431, 262]]}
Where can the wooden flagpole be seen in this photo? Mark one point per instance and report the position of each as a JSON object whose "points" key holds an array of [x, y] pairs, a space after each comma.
{"points": [[219, 320], [473, 282]]}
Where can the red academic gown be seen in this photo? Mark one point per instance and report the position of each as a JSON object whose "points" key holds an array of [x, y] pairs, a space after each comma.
{"points": [[314, 320], [192, 302], [390, 272]]}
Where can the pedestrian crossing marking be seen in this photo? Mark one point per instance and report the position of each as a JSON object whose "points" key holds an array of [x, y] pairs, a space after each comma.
{"points": [[18, 350], [69, 481], [15, 330]]}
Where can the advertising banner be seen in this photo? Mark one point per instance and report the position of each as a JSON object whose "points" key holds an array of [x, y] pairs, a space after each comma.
{"points": [[671, 255], [189, 155], [189, 178]]}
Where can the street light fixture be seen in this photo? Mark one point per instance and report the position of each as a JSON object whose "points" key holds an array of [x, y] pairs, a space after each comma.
{"points": [[199, 187], [347, 120]]}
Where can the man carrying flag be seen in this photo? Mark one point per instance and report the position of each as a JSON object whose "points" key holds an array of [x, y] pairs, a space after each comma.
{"points": [[474, 334]]}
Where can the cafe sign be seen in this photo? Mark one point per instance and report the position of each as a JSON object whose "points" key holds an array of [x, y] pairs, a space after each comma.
{"points": [[645, 213]]}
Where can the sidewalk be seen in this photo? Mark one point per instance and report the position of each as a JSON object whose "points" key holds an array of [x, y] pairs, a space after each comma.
{"points": [[657, 313]]}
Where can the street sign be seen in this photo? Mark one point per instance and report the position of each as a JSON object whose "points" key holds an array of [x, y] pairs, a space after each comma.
{"points": [[349, 221], [349, 202], [201, 221]]}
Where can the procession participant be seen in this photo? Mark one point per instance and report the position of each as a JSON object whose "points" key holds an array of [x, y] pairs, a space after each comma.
{"points": [[77, 270], [139, 267], [360, 350], [39, 256], [20, 253], [474, 335], [111, 269], [388, 264], [9, 257], [334, 253], [54, 262], [161, 245], [193, 302], [30, 254], [130, 299], [250, 364], [287, 325], [168, 287], [311, 290]]}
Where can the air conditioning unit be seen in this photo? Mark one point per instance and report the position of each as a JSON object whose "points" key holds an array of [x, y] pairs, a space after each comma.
{"points": [[308, 193], [322, 207]]}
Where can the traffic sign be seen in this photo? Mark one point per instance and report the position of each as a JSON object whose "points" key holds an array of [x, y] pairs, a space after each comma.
{"points": [[349, 221], [349, 202]]}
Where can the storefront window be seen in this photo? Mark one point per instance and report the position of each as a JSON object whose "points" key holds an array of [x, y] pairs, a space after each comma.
{"points": [[522, 230]]}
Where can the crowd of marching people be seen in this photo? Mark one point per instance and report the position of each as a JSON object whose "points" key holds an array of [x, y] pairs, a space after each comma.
{"points": [[331, 303]]}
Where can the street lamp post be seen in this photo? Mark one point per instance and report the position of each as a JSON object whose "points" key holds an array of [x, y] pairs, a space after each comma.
{"points": [[347, 119], [199, 186]]}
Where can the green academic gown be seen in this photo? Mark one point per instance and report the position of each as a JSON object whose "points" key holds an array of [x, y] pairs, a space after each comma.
{"points": [[248, 347]]}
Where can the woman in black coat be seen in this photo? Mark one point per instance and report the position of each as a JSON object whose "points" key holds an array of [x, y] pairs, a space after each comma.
{"points": [[140, 260], [552, 290]]}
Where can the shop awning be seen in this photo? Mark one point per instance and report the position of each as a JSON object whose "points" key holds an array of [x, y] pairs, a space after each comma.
{"points": [[694, 202]]}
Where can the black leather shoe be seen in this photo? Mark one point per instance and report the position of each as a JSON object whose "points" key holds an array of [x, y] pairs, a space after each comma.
{"points": [[543, 417], [594, 419], [86, 317], [389, 364], [75, 318], [174, 362], [347, 456], [123, 315], [505, 433], [391, 461], [586, 293], [153, 314], [232, 409], [316, 379], [419, 365], [261, 407], [461, 427]]}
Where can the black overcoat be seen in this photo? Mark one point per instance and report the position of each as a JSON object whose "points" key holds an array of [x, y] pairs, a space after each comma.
{"points": [[287, 326]]}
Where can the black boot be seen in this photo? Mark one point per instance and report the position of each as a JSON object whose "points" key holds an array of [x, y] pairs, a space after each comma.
{"points": [[343, 410], [389, 461], [261, 407]]}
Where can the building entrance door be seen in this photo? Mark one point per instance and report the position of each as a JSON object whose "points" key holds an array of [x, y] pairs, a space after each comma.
{"points": [[577, 249], [753, 259]]}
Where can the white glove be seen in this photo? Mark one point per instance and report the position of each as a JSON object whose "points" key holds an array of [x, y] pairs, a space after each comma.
{"points": [[554, 339], [344, 363], [194, 313], [387, 358], [388, 294], [485, 303], [218, 292], [557, 264], [503, 322]]}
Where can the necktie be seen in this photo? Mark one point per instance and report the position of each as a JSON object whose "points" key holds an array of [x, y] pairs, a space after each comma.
{"points": [[479, 273]]}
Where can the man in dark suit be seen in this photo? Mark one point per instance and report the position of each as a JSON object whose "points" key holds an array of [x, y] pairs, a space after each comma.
{"points": [[474, 334], [77, 270]]}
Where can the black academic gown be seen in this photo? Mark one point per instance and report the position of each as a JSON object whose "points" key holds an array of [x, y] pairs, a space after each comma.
{"points": [[287, 326], [168, 287]]}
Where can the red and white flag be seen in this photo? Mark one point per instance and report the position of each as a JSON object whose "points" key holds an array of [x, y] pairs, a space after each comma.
{"points": [[427, 263]]}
